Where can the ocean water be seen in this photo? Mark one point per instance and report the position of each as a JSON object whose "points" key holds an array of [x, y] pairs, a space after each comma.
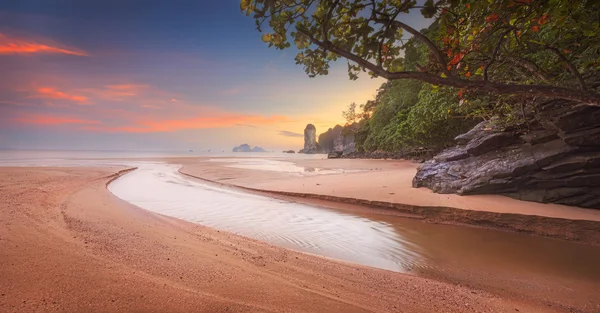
{"points": [[121, 157]]}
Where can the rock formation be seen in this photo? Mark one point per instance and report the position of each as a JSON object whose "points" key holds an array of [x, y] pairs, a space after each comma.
{"points": [[557, 161], [328, 138], [246, 148], [338, 141], [310, 140]]}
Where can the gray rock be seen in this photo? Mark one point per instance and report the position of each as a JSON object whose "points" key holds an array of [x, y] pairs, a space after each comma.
{"points": [[468, 136], [588, 137], [489, 141], [334, 155], [539, 136], [557, 162], [452, 154]]}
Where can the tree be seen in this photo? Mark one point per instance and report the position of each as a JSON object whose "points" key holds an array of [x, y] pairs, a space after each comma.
{"points": [[350, 114], [547, 49]]}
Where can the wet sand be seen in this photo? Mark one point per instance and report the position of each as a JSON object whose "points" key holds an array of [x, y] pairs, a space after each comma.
{"points": [[67, 244], [388, 184]]}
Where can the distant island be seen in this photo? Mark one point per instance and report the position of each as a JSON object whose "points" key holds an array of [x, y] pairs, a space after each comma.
{"points": [[246, 148]]}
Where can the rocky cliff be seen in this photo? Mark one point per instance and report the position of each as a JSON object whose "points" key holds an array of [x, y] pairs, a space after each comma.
{"points": [[328, 139], [557, 160], [339, 140], [310, 140]]}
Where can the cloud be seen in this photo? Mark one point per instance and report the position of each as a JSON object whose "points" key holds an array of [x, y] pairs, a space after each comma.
{"points": [[157, 125], [52, 93], [37, 119], [131, 108], [116, 92], [11, 45], [289, 134]]}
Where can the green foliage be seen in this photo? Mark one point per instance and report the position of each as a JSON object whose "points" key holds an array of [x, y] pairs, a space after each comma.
{"points": [[424, 116], [479, 59], [531, 42], [505, 47]]}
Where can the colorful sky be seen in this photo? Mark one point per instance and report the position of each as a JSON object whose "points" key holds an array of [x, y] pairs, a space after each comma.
{"points": [[156, 75]]}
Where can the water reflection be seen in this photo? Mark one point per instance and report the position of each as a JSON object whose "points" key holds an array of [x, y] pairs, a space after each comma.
{"points": [[160, 188], [276, 166]]}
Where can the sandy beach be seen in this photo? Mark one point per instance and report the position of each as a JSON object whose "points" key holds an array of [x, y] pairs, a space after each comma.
{"points": [[69, 245], [387, 184]]}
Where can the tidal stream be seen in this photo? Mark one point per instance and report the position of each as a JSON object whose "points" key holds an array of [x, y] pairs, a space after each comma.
{"points": [[459, 254]]}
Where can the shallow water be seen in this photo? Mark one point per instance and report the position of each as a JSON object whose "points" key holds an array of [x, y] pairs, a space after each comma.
{"points": [[160, 188], [462, 254], [275, 166]]}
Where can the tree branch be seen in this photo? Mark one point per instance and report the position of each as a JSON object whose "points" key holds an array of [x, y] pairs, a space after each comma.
{"points": [[588, 97], [422, 38], [494, 54], [570, 66], [532, 67], [326, 20]]}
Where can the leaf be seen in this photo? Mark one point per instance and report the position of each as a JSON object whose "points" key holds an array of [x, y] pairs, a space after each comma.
{"points": [[428, 10], [266, 37]]}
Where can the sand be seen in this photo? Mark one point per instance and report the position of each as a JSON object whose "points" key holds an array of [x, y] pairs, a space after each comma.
{"points": [[68, 245], [388, 183]]}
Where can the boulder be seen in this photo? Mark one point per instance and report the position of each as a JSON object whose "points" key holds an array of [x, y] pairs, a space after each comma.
{"points": [[334, 155], [557, 162]]}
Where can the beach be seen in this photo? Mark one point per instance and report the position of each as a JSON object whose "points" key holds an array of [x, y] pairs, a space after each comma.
{"points": [[68, 244], [387, 184]]}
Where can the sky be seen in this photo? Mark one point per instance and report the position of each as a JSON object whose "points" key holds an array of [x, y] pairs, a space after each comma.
{"points": [[157, 76]]}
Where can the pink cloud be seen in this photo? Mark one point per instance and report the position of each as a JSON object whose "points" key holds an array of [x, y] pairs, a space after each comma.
{"points": [[38, 119], [11, 45], [158, 125], [52, 93]]}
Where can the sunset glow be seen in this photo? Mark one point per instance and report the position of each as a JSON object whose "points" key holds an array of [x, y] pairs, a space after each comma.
{"points": [[52, 93], [114, 85], [9, 45]]}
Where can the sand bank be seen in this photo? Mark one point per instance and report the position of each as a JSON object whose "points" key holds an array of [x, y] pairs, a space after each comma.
{"points": [[388, 184], [67, 244]]}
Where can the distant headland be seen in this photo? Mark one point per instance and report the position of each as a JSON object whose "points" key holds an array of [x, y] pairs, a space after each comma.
{"points": [[246, 148]]}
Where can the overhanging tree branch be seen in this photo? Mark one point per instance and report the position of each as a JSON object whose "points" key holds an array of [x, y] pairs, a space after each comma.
{"points": [[570, 66], [422, 38], [591, 98], [494, 54]]}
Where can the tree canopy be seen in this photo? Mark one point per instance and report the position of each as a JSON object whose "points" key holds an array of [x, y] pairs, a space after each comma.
{"points": [[546, 49]]}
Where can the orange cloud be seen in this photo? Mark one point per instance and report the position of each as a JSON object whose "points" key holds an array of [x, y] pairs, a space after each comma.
{"points": [[155, 126], [116, 92], [52, 120], [52, 93], [20, 46]]}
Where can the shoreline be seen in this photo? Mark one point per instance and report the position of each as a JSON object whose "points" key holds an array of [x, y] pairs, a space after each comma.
{"points": [[71, 245], [577, 230]]}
